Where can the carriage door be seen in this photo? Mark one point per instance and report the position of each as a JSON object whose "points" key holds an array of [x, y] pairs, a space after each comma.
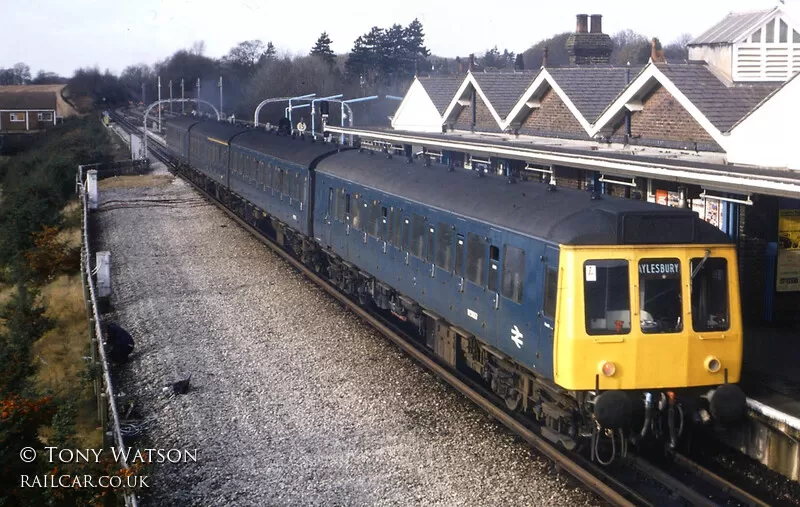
{"points": [[547, 313]]}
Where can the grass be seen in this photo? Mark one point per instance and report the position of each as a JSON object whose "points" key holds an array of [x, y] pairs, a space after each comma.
{"points": [[145, 180]]}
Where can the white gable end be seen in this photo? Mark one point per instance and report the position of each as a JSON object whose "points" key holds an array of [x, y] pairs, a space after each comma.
{"points": [[416, 112], [766, 137], [771, 52]]}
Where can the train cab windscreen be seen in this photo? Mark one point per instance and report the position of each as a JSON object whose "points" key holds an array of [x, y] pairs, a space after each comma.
{"points": [[660, 296], [607, 297], [710, 310]]}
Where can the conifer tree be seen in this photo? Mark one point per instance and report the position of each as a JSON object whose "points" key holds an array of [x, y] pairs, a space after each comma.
{"points": [[322, 49]]}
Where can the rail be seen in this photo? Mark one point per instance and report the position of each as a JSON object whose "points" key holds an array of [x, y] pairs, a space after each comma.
{"points": [[99, 336]]}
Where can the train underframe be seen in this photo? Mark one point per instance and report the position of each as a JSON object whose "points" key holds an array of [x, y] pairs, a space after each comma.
{"points": [[604, 423]]}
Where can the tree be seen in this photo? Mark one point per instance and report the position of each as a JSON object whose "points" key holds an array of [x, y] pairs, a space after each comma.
{"points": [[245, 56], [414, 44], [677, 50], [630, 47], [43, 77], [269, 53], [19, 74], [322, 49], [556, 52]]}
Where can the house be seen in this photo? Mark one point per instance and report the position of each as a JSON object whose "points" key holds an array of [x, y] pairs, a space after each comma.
{"points": [[32, 108]]}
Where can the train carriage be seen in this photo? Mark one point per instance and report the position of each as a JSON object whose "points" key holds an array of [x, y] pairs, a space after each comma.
{"points": [[575, 307]]}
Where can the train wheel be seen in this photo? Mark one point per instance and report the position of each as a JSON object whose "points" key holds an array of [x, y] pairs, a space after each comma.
{"points": [[513, 399]]}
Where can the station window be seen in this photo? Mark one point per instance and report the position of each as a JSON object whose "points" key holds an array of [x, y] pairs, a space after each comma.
{"points": [[418, 236], [431, 236], [710, 294], [513, 273], [660, 295], [460, 254], [494, 266], [476, 259], [606, 291], [444, 246]]}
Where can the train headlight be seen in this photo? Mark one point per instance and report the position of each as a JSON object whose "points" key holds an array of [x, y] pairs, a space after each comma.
{"points": [[712, 364], [608, 368]]}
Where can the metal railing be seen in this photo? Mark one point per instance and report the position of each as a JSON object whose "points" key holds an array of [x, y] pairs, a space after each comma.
{"points": [[98, 336]]}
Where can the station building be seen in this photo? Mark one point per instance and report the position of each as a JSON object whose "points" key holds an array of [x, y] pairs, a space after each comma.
{"points": [[714, 134]]}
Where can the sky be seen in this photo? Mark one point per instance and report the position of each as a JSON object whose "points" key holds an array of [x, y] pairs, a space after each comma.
{"points": [[113, 34]]}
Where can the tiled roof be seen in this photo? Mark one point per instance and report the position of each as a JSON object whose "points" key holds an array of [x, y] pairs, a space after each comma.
{"points": [[724, 104], [27, 100], [592, 88], [733, 27], [441, 89], [504, 89]]}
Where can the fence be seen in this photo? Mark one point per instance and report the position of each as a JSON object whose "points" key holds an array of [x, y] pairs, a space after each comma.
{"points": [[104, 389]]}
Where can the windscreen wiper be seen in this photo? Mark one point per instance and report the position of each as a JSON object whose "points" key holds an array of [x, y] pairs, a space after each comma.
{"points": [[702, 263]]}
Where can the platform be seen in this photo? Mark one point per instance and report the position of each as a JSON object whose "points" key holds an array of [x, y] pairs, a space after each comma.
{"points": [[771, 381]]}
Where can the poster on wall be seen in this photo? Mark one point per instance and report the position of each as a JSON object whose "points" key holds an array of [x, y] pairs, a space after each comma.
{"points": [[674, 199], [699, 207], [662, 197], [714, 212], [788, 272]]}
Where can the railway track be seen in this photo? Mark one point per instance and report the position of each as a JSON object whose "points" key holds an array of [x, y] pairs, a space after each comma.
{"points": [[674, 480]]}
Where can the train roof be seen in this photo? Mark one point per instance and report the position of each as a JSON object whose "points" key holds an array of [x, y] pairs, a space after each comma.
{"points": [[563, 216], [215, 130], [181, 122], [295, 150]]}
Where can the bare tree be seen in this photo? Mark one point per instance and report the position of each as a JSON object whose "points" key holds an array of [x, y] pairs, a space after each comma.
{"points": [[198, 48]]}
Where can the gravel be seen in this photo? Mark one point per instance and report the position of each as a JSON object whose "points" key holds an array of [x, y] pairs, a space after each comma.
{"points": [[293, 400]]}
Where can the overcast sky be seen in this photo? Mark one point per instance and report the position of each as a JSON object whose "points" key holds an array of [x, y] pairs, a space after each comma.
{"points": [[62, 35]]}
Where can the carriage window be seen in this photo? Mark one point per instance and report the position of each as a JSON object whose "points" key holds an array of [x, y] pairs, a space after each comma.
{"points": [[444, 246], [494, 257], [460, 255], [343, 210], [374, 219], [356, 212], [297, 191], [710, 294], [347, 204], [331, 203], [513, 273], [281, 178], [304, 190], [431, 252], [660, 295], [607, 297], [269, 175], [476, 259], [418, 236], [395, 221], [384, 220], [404, 238]]}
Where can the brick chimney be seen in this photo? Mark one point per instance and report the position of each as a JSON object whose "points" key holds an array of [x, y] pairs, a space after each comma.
{"points": [[545, 51], [597, 23], [657, 52], [582, 25], [589, 46], [472, 62]]}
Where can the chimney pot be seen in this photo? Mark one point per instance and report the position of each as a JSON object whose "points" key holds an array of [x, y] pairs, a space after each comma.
{"points": [[582, 23], [597, 23]]}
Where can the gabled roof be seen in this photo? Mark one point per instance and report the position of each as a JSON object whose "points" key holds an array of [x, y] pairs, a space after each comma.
{"points": [[503, 89], [723, 103], [592, 88], [22, 100], [441, 89], [734, 27]]}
